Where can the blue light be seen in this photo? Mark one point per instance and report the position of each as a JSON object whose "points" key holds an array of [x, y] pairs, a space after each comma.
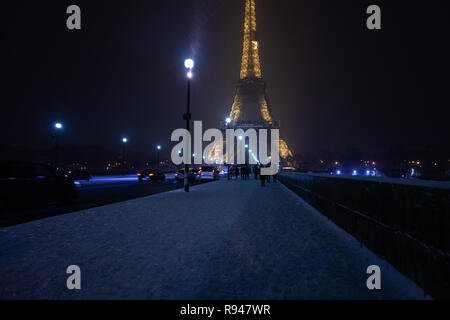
{"points": [[58, 125], [158, 147], [228, 120], [338, 172], [368, 172], [355, 172], [124, 140]]}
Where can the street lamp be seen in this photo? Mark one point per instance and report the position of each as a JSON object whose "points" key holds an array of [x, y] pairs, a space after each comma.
{"points": [[124, 143], [158, 148], [189, 65], [57, 128]]}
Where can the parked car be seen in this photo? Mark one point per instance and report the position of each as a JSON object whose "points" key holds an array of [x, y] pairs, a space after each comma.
{"points": [[151, 175], [179, 175], [207, 173], [33, 184], [78, 174]]}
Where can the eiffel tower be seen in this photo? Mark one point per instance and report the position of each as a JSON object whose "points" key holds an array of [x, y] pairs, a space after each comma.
{"points": [[251, 108]]}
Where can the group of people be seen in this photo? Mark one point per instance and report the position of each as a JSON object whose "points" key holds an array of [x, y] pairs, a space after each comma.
{"points": [[236, 171], [245, 170]]}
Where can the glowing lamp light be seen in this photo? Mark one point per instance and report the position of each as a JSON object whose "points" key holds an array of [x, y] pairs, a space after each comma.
{"points": [[338, 172], [124, 140], [368, 172], [189, 74], [228, 120], [58, 125], [240, 138], [189, 64], [158, 147], [355, 172]]}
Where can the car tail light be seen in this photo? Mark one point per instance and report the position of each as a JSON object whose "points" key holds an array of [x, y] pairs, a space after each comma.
{"points": [[139, 174], [151, 175]]}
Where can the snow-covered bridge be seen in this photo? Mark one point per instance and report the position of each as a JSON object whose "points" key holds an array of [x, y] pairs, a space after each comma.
{"points": [[223, 240]]}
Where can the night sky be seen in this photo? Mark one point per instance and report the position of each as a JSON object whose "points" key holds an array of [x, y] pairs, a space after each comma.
{"points": [[333, 83]]}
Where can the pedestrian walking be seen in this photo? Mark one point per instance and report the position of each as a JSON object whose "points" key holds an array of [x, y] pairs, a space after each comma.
{"points": [[262, 179], [268, 176], [246, 172]]}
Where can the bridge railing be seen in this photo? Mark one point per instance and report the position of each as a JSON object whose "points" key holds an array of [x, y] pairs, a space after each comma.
{"points": [[408, 225]]}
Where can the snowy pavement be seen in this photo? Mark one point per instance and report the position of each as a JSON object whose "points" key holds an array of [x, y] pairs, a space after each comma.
{"points": [[223, 240]]}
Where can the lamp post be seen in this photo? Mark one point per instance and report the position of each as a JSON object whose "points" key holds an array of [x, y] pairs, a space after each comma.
{"points": [[158, 148], [124, 143], [189, 65], [57, 128], [228, 121]]}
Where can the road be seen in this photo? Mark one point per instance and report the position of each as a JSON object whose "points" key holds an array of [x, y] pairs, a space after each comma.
{"points": [[97, 192]]}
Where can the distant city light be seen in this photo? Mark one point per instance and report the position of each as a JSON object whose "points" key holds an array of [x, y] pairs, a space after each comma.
{"points": [[124, 140], [368, 172], [338, 172], [158, 147], [58, 125], [355, 172]]}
